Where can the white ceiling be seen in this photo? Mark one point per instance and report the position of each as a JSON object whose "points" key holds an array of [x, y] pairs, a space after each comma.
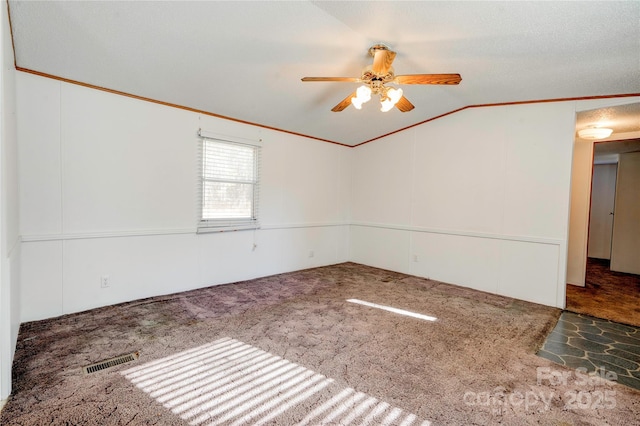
{"points": [[244, 60]]}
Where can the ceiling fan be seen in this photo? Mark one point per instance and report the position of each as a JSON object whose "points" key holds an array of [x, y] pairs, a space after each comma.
{"points": [[375, 76]]}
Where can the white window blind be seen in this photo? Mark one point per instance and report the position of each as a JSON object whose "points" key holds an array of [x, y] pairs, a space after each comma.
{"points": [[229, 185]]}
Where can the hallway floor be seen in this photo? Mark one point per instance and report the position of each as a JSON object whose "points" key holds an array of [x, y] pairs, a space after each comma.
{"points": [[610, 295]]}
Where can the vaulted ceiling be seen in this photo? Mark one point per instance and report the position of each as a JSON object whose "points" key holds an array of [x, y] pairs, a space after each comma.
{"points": [[244, 60]]}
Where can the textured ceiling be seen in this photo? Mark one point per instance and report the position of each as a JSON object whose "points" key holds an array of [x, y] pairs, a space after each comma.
{"points": [[244, 60], [625, 118]]}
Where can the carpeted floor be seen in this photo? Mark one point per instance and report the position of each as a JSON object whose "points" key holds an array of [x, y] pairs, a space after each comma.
{"points": [[607, 294], [343, 344]]}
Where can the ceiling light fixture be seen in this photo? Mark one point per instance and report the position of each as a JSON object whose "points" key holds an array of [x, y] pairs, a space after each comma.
{"points": [[595, 133], [363, 95], [389, 96]]}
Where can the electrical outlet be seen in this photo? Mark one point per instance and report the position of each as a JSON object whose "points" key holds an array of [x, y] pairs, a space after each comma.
{"points": [[415, 257], [311, 253], [105, 281]]}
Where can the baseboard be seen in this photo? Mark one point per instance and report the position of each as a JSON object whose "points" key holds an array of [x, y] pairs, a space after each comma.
{"points": [[2, 402]]}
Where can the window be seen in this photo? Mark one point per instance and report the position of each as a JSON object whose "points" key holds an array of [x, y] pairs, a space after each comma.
{"points": [[229, 185]]}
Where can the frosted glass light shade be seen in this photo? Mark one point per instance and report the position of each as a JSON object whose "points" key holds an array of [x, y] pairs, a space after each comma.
{"points": [[357, 103], [394, 95], [595, 133], [363, 94], [392, 98], [386, 105]]}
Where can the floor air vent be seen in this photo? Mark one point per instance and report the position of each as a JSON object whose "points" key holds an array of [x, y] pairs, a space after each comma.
{"points": [[102, 365]]}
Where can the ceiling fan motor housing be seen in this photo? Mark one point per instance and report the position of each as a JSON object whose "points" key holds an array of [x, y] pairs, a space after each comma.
{"points": [[379, 46]]}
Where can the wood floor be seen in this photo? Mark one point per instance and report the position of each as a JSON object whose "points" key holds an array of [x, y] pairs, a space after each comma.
{"points": [[608, 294]]}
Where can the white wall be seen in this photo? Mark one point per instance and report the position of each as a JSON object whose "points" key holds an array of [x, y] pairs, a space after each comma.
{"points": [[579, 213], [625, 250], [9, 216], [479, 198], [108, 187]]}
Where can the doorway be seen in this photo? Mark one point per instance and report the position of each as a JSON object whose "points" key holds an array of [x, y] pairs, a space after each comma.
{"points": [[603, 193], [612, 278]]}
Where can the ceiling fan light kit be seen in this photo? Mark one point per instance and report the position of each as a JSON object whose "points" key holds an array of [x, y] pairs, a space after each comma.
{"points": [[595, 133], [390, 98], [375, 76], [363, 94]]}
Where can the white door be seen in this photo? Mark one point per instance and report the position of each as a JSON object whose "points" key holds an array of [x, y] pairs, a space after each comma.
{"points": [[625, 250], [603, 192]]}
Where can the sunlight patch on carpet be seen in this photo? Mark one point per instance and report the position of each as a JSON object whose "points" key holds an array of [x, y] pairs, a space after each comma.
{"points": [[230, 382], [394, 310]]}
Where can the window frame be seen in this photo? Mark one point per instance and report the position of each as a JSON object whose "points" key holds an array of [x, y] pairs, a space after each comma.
{"points": [[233, 223]]}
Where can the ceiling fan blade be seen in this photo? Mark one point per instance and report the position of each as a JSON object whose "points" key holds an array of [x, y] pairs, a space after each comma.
{"points": [[404, 105], [345, 79], [344, 103], [428, 79], [382, 61]]}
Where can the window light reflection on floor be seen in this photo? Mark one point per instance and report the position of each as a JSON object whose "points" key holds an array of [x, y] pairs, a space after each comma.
{"points": [[394, 310], [232, 383]]}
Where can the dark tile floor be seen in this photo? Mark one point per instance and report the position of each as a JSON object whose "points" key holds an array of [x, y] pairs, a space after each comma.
{"points": [[582, 341]]}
